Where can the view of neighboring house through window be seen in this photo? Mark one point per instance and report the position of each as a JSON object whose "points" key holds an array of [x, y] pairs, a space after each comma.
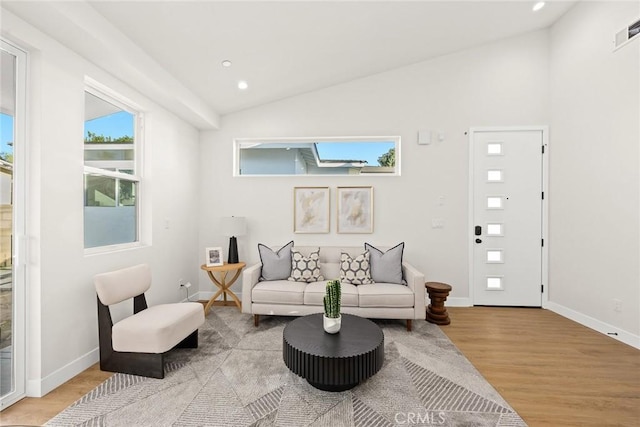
{"points": [[111, 172], [318, 156]]}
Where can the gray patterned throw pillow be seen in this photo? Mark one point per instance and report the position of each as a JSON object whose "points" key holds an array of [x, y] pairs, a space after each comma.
{"points": [[305, 269], [356, 271]]}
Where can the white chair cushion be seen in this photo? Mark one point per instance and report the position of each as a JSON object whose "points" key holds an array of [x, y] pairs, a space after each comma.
{"points": [[117, 286], [314, 294], [157, 329], [385, 295], [278, 292]]}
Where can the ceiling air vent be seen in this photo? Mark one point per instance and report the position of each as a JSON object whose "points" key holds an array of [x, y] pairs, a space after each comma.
{"points": [[626, 34]]}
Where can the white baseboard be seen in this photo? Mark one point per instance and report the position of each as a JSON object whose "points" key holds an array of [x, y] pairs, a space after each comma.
{"points": [[458, 302], [42, 386], [206, 295], [595, 324], [202, 295], [453, 302]]}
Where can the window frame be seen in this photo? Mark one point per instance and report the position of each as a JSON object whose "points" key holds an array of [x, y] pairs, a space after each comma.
{"points": [[108, 95]]}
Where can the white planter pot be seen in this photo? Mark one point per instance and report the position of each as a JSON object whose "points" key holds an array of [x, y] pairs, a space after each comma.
{"points": [[331, 325]]}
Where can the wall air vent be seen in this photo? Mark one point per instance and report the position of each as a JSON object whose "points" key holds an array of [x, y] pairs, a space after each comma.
{"points": [[626, 34]]}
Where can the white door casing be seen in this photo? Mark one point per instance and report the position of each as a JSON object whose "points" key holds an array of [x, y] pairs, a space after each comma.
{"points": [[508, 216]]}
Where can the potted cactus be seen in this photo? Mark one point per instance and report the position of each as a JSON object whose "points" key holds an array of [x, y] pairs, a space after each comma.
{"points": [[331, 318]]}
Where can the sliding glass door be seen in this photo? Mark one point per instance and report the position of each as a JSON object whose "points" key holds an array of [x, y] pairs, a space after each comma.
{"points": [[12, 224]]}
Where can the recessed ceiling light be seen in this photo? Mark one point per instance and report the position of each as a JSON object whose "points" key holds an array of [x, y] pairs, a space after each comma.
{"points": [[242, 85], [226, 63], [538, 6]]}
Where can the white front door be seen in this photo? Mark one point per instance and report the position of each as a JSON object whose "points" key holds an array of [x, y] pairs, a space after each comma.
{"points": [[507, 212]]}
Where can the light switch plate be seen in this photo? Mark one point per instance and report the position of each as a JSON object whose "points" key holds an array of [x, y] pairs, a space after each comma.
{"points": [[424, 137]]}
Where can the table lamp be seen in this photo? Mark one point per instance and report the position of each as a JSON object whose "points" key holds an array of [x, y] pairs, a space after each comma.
{"points": [[234, 226]]}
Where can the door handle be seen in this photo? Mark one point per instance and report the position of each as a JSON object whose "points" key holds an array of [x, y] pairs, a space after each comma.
{"points": [[478, 231], [478, 240]]}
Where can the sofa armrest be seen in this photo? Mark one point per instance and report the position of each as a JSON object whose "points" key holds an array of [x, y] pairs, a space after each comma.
{"points": [[250, 278], [415, 282]]}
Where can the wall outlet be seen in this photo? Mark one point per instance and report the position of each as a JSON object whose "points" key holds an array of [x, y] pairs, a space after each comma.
{"points": [[617, 305], [181, 283], [437, 223]]}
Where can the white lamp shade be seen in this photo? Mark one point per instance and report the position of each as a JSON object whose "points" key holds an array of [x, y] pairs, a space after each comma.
{"points": [[234, 226]]}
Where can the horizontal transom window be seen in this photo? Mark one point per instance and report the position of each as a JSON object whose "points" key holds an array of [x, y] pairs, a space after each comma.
{"points": [[317, 156]]}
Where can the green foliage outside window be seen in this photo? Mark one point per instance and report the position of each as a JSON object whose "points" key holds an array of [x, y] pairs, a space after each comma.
{"points": [[93, 138], [388, 158]]}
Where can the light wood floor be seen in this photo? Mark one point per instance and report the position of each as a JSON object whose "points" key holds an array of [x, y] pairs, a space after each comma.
{"points": [[552, 371]]}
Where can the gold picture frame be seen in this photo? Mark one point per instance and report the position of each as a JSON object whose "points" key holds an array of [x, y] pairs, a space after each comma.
{"points": [[355, 210], [311, 210]]}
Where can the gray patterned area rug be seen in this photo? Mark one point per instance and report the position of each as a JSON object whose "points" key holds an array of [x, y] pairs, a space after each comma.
{"points": [[237, 378]]}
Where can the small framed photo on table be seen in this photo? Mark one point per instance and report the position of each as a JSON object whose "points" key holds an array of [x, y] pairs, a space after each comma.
{"points": [[213, 256]]}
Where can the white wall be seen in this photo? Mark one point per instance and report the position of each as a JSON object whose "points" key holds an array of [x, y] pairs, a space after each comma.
{"points": [[62, 326], [504, 83], [594, 205]]}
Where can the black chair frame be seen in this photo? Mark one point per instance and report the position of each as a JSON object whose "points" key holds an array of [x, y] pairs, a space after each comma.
{"points": [[143, 364]]}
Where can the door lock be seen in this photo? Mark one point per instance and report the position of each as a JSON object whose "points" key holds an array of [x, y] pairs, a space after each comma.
{"points": [[478, 231]]}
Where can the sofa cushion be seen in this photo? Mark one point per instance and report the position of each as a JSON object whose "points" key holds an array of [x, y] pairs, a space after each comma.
{"points": [[278, 292], [314, 294], [356, 271], [386, 267], [385, 295], [275, 265], [305, 269]]}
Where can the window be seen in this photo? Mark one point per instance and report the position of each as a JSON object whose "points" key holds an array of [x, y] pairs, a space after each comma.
{"points": [[111, 172], [317, 156]]}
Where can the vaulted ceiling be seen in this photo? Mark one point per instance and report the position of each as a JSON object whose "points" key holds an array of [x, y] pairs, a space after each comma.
{"points": [[280, 49]]}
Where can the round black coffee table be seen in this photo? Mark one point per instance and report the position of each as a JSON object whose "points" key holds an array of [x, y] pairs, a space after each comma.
{"points": [[333, 362]]}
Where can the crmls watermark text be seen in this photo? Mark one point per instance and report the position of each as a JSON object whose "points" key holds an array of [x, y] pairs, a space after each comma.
{"points": [[422, 418]]}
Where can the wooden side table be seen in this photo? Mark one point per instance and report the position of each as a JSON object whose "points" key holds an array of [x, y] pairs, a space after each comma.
{"points": [[222, 282], [436, 311]]}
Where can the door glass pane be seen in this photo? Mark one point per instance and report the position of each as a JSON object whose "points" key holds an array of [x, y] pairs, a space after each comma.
{"points": [[494, 202], [494, 283], [7, 303], [494, 148], [494, 175], [494, 256], [494, 229]]}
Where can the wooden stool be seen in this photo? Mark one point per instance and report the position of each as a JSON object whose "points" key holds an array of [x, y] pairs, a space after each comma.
{"points": [[436, 311]]}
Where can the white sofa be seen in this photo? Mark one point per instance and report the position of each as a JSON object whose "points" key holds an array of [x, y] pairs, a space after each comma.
{"points": [[377, 300]]}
